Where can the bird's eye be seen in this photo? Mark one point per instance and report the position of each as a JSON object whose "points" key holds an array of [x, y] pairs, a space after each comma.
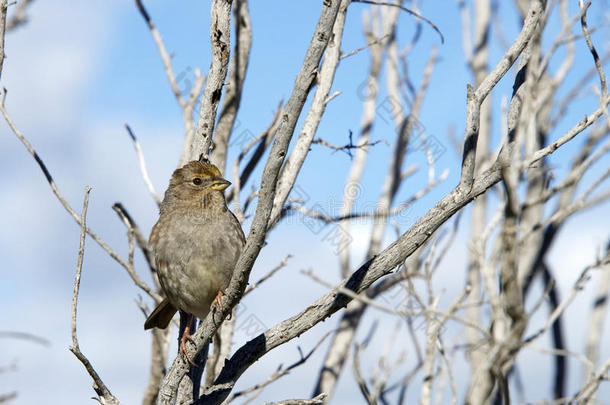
{"points": [[197, 181]]}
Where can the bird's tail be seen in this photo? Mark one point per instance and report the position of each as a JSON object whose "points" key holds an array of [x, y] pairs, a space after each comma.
{"points": [[161, 316]]}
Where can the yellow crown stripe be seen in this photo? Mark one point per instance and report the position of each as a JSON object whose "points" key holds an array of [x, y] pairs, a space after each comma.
{"points": [[207, 174]]}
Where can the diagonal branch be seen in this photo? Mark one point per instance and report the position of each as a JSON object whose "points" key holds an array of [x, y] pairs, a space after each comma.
{"points": [[53, 186], [476, 97], [258, 230], [165, 57], [142, 162], [413, 13], [380, 265]]}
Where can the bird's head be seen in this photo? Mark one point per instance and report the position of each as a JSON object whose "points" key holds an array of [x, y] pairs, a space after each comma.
{"points": [[195, 179]]}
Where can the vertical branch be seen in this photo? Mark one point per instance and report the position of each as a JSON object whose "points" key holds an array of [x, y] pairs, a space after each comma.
{"points": [[288, 121], [404, 129], [533, 137], [596, 60], [237, 75], [367, 121], [510, 289], [224, 338], [3, 11], [258, 230], [509, 327], [226, 123], [341, 342], [598, 315], [79, 266], [187, 105], [105, 396], [220, 35], [476, 97], [477, 55], [160, 346], [325, 78], [482, 382]]}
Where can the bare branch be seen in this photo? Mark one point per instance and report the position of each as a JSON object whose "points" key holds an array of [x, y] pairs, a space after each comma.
{"points": [[364, 389], [380, 213], [281, 372], [578, 285], [267, 276], [25, 336], [261, 142], [135, 232], [140, 239], [237, 76], [165, 57], [317, 400], [598, 315], [19, 16], [347, 148], [220, 35], [590, 387], [143, 170], [3, 11], [7, 397], [53, 186], [369, 101], [324, 77], [476, 97], [596, 60], [105, 396], [413, 13], [379, 40], [258, 230]]}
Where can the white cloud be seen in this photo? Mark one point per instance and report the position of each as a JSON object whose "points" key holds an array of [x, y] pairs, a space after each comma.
{"points": [[51, 60]]}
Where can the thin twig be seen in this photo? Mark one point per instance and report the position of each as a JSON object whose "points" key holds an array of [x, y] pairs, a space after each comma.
{"points": [[362, 48], [53, 186], [375, 214], [143, 170], [317, 400], [268, 275], [578, 286], [165, 57], [3, 11], [413, 13], [596, 60], [19, 16], [100, 388], [140, 239], [347, 148], [25, 336], [281, 372], [131, 233]]}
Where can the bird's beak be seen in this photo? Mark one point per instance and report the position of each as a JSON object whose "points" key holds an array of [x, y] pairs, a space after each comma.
{"points": [[220, 184]]}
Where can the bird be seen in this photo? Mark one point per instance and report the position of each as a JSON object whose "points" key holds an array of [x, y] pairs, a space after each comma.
{"points": [[195, 244]]}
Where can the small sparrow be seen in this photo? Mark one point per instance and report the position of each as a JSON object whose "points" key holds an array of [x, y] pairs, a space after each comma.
{"points": [[196, 243]]}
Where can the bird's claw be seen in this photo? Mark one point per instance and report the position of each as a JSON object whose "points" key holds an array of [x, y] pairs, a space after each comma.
{"points": [[182, 349], [217, 303]]}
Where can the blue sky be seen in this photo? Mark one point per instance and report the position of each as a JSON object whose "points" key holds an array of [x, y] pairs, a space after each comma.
{"points": [[77, 72]]}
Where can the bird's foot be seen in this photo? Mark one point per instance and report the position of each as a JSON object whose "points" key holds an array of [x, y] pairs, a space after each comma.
{"points": [[182, 349], [186, 337], [217, 303]]}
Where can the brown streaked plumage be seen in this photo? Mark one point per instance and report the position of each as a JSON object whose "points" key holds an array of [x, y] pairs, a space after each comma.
{"points": [[196, 243]]}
